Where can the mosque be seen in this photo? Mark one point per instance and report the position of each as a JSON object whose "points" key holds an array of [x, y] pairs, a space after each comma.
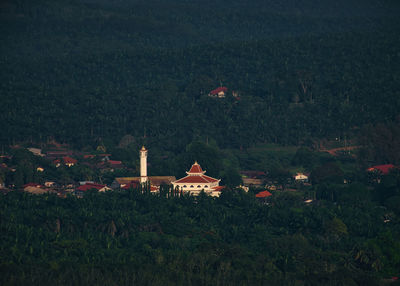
{"points": [[194, 182]]}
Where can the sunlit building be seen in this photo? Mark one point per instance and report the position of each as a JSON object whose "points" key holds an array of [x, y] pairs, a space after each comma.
{"points": [[196, 181]]}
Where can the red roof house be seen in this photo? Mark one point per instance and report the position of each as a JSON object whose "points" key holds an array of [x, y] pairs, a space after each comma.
{"points": [[32, 185], [89, 156], [130, 185], [263, 194], [384, 169], [111, 165], [93, 186], [68, 161], [218, 92]]}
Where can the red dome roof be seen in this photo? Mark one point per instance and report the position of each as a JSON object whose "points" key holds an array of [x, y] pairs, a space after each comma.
{"points": [[196, 169]]}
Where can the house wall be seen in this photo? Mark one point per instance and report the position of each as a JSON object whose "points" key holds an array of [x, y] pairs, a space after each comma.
{"points": [[197, 188]]}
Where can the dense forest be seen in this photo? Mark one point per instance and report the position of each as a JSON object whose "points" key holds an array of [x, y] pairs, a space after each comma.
{"points": [[78, 71], [133, 237]]}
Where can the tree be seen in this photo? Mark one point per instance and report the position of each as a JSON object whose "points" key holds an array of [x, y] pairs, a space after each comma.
{"points": [[329, 173], [304, 157]]}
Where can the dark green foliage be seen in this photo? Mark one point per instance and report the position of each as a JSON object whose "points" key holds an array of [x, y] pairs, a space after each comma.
{"points": [[381, 142], [304, 157], [133, 237], [328, 172], [78, 71]]}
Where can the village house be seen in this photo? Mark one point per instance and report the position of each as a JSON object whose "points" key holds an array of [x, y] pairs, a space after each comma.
{"points": [[253, 178], [375, 173], [36, 189], [110, 165], [89, 156], [300, 177], [263, 194], [52, 155], [66, 160], [219, 92], [36, 151], [79, 191], [222, 92], [382, 169], [50, 184]]}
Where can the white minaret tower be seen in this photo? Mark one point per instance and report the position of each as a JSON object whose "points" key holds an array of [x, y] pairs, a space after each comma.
{"points": [[143, 165]]}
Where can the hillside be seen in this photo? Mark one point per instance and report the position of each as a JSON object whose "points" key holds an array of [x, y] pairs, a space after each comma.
{"points": [[78, 71]]}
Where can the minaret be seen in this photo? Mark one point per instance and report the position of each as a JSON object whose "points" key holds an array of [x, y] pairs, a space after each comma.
{"points": [[143, 165]]}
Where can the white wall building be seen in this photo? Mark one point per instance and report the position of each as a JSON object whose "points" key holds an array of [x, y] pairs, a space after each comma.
{"points": [[196, 181], [301, 177]]}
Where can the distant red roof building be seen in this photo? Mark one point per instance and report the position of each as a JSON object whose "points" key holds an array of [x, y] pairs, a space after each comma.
{"points": [[68, 161], [89, 156], [33, 185], [130, 185], [263, 194], [111, 164], [93, 186], [3, 166], [218, 92], [58, 154], [384, 169]]}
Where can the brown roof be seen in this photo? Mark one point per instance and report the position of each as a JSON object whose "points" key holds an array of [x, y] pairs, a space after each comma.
{"points": [[69, 160], [38, 191], [154, 180]]}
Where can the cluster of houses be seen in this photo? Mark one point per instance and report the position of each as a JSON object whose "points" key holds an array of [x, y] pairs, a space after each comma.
{"points": [[194, 182], [65, 157], [60, 156], [259, 179]]}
